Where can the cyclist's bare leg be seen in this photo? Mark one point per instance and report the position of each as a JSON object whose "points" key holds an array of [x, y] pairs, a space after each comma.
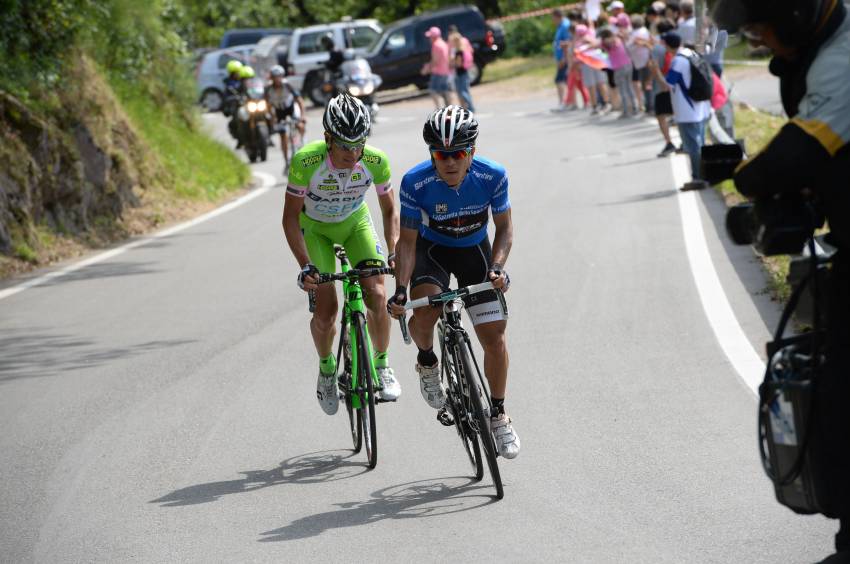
{"points": [[492, 338], [284, 146], [375, 296], [323, 324], [424, 319]]}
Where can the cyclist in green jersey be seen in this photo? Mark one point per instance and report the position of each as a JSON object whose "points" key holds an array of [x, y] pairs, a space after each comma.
{"points": [[325, 205]]}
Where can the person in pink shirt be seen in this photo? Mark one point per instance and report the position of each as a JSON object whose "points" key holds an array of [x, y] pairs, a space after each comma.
{"points": [[439, 68], [594, 79], [621, 64]]}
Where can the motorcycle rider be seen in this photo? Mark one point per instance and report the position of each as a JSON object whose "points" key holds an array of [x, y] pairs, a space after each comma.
{"points": [[285, 102], [810, 156], [335, 56], [232, 94]]}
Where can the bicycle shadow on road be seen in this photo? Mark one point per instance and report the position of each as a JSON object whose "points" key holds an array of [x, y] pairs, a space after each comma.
{"points": [[311, 468], [411, 500]]}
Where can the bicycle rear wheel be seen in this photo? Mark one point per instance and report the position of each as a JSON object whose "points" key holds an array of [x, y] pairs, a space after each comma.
{"points": [[366, 412], [481, 418]]}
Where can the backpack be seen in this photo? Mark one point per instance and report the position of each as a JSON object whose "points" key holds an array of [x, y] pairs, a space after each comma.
{"points": [[702, 83]]}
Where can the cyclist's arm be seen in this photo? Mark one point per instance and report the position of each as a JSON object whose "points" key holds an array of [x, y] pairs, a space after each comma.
{"points": [[504, 237], [405, 256], [292, 228], [391, 219]]}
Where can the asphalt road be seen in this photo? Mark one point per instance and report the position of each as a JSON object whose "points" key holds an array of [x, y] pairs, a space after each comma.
{"points": [[160, 406]]}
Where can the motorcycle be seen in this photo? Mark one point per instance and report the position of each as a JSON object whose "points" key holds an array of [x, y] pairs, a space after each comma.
{"points": [[254, 119], [354, 76]]}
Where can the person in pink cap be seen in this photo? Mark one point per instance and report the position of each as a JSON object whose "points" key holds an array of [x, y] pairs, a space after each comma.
{"points": [[439, 68]]}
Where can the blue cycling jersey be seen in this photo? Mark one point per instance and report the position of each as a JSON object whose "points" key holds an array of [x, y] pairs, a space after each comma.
{"points": [[454, 217]]}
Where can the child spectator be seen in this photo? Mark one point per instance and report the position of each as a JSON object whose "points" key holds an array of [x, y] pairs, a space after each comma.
{"points": [[691, 115], [621, 64], [659, 65]]}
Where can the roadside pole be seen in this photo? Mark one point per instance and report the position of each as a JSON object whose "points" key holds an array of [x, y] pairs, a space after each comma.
{"points": [[699, 8]]}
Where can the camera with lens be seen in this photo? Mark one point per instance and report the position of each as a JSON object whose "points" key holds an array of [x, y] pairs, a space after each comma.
{"points": [[778, 225]]}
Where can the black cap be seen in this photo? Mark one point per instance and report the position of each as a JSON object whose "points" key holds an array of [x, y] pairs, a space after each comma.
{"points": [[672, 39]]}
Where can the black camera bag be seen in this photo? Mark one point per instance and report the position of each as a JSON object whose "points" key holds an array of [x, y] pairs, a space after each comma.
{"points": [[786, 412]]}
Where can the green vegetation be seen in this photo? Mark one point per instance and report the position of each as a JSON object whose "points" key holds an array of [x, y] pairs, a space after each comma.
{"points": [[101, 78], [200, 168]]}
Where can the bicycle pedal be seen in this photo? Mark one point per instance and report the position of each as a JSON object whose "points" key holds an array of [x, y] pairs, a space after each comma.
{"points": [[379, 399], [445, 418]]}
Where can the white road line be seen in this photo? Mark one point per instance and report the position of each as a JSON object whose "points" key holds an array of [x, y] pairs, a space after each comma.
{"points": [[721, 317], [267, 181]]}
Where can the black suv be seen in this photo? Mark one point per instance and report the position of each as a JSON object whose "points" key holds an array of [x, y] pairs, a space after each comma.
{"points": [[402, 49]]}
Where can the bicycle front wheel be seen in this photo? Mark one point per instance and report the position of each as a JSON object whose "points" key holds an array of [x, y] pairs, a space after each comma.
{"points": [[344, 356], [367, 395], [481, 418], [461, 413]]}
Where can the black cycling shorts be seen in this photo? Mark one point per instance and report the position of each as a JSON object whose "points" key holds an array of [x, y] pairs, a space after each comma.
{"points": [[436, 263], [283, 113]]}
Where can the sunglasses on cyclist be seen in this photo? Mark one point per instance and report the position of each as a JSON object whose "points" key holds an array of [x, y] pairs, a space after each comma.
{"points": [[352, 147], [457, 154]]}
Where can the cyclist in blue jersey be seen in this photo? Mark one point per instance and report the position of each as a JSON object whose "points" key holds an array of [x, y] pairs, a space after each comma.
{"points": [[445, 206]]}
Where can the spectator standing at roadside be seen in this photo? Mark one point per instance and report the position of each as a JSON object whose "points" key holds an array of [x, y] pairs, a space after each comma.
{"points": [[438, 68], [593, 79], [616, 8], [650, 16], [461, 51], [659, 65], [690, 115], [621, 64], [672, 12], [640, 49], [562, 35], [687, 29], [718, 39]]}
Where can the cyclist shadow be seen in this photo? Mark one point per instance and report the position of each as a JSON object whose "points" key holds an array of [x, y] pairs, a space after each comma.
{"points": [[310, 468], [411, 500]]}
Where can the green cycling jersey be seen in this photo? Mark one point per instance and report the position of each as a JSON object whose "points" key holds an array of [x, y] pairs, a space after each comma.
{"points": [[331, 195]]}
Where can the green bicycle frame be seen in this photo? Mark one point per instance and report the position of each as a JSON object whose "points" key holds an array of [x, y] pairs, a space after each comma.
{"points": [[354, 305]]}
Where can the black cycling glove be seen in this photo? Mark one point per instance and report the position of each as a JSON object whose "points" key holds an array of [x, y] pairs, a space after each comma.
{"points": [[498, 270], [399, 298], [307, 270]]}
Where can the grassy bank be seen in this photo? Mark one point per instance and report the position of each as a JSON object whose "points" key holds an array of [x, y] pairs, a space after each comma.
{"points": [[175, 169], [199, 167]]}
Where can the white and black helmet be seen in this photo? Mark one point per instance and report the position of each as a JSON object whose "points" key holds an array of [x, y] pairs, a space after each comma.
{"points": [[277, 71], [452, 127], [347, 119]]}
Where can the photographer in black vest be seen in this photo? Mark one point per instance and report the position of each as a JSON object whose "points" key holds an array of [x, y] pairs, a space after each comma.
{"points": [[808, 161]]}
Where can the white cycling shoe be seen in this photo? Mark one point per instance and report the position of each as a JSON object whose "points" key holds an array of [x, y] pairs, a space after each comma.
{"points": [[328, 393], [507, 441], [392, 389], [430, 385]]}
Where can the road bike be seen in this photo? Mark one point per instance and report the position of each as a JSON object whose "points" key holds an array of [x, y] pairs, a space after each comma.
{"points": [[468, 405], [289, 127], [358, 382]]}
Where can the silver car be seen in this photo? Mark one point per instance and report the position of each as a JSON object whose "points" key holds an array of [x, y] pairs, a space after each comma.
{"points": [[211, 72]]}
